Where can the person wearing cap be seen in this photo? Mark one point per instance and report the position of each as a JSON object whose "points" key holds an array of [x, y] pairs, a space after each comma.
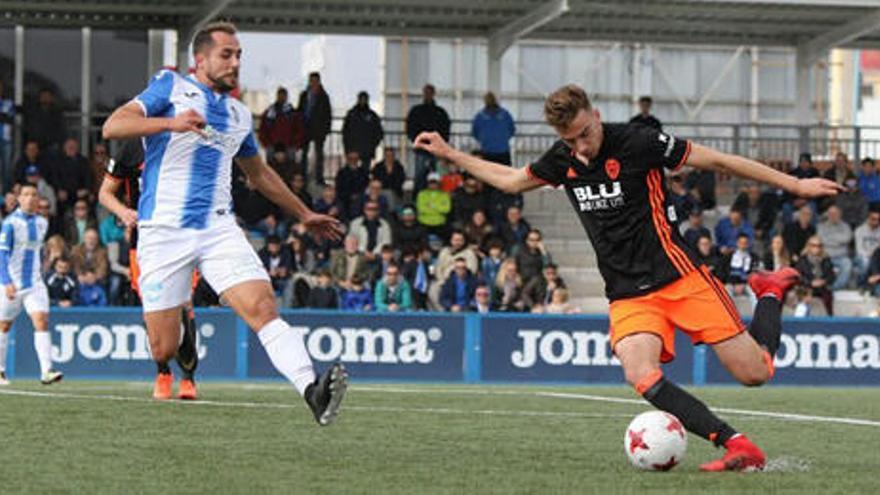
{"points": [[32, 176], [362, 130], [433, 205], [408, 233]]}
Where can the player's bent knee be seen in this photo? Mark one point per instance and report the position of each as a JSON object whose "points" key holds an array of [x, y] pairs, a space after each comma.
{"points": [[642, 377], [754, 377]]}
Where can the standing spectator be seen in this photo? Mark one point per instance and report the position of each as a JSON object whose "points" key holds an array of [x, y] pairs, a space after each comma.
{"points": [[644, 116], [457, 292], [426, 116], [817, 272], [44, 122], [837, 237], [91, 255], [737, 267], [323, 295], [410, 234], [32, 157], [61, 286], [433, 206], [758, 209], [457, 248], [358, 297], [466, 200], [314, 103], [281, 125], [695, 228], [514, 230], [77, 221], [391, 173], [493, 128], [278, 264], [90, 292], [867, 240], [729, 228], [507, 287], [869, 183], [482, 301], [798, 231], [7, 123], [393, 292], [74, 174], [852, 203], [709, 256], [351, 181], [538, 292], [371, 230], [532, 257], [349, 260], [362, 130], [777, 255]]}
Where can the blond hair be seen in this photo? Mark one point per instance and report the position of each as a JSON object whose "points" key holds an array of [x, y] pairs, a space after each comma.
{"points": [[564, 104]]}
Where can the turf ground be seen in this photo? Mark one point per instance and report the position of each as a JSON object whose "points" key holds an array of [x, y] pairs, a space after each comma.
{"points": [[108, 437]]}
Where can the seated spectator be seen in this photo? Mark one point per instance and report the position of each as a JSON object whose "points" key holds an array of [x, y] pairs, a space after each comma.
{"points": [[31, 157], [298, 187], [323, 295], [776, 257], [73, 173], [351, 181], [329, 204], [47, 192], [803, 301], [872, 280], [457, 292], [409, 234], [457, 248], [433, 207], [514, 230], [54, 248], [386, 257], [507, 287], [532, 257], [54, 227], [390, 173], [466, 200], [415, 267], [817, 272], [371, 230], [491, 263], [349, 260], [111, 230], [682, 200], [478, 230], [358, 297], [701, 184], [302, 259], [281, 162], [482, 301], [867, 240], [709, 256], [869, 182], [321, 248], [393, 292], [10, 201], [90, 292], [792, 203], [758, 209], [560, 305], [737, 267], [728, 229], [61, 285], [852, 203], [452, 179], [90, 254], [277, 262], [374, 193], [693, 229], [77, 221], [538, 292], [837, 236], [796, 233]]}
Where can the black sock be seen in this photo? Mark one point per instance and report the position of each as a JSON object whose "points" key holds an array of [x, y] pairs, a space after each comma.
{"points": [[163, 368], [693, 414], [767, 323], [187, 356]]}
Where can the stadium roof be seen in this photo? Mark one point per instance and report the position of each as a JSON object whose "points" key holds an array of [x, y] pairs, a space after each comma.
{"points": [[810, 24]]}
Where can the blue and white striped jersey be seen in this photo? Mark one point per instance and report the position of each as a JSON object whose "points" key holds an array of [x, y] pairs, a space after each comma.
{"points": [[21, 237], [187, 178]]}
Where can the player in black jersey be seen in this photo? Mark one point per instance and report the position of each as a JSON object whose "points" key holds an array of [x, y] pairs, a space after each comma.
{"points": [[614, 177], [123, 176]]}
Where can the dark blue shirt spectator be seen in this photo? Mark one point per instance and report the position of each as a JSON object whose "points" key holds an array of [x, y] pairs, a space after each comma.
{"points": [[727, 230], [493, 127]]}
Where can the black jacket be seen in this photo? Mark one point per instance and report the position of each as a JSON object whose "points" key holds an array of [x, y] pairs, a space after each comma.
{"points": [[318, 121], [323, 298], [427, 117], [804, 267], [763, 215], [362, 130], [61, 288]]}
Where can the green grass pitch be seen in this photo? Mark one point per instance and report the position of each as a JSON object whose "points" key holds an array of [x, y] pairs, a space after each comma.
{"points": [[109, 437]]}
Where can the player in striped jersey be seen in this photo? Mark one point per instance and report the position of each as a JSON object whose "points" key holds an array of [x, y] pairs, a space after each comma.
{"points": [[21, 244]]}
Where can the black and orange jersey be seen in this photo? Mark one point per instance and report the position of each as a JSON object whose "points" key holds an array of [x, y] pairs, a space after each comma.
{"points": [[126, 167], [621, 199]]}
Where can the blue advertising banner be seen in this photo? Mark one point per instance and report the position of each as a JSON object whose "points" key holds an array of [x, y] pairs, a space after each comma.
{"points": [[113, 343], [415, 346], [820, 351], [542, 348]]}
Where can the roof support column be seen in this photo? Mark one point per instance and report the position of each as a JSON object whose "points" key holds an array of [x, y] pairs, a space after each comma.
{"points": [[802, 110], [86, 99], [504, 37]]}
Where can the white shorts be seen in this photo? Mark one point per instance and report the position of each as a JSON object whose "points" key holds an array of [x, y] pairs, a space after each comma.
{"points": [[168, 255], [35, 300]]}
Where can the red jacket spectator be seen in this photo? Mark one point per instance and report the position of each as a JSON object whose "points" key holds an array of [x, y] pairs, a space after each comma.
{"points": [[280, 123]]}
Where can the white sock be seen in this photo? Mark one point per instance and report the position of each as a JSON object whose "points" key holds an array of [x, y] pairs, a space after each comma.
{"points": [[287, 351], [43, 346], [4, 342]]}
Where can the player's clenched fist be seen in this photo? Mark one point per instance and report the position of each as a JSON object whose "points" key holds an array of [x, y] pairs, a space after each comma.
{"points": [[188, 121], [433, 143]]}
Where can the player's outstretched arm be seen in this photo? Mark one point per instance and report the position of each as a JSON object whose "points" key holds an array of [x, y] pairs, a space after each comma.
{"points": [[508, 179], [107, 197], [705, 158], [270, 184], [129, 121]]}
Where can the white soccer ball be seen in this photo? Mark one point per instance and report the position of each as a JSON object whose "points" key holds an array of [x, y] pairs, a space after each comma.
{"points": [[655, 441]]}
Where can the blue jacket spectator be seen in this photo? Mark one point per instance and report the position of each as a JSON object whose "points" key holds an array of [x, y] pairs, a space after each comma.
{"points": [[869, 182], [359, 297], [90, 293], [493, 127], [393, 292], [729, 228], [457, 292]]}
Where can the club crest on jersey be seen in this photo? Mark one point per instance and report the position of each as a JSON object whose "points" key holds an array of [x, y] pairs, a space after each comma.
{"points": [[612, 168]]}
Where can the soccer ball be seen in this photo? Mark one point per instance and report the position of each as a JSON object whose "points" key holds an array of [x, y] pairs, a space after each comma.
{"points": [[655, 441]]}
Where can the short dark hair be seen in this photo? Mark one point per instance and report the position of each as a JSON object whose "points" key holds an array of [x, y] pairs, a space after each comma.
{"points": [[867, 160], [23, 185], [204, 38], [429, 87], [273, 239], [316, 75], [646, 99], [552, 266]]}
